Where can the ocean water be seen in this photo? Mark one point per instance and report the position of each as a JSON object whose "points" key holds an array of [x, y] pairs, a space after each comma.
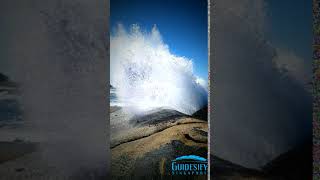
{"points": [[10, 113], [114, 101]]}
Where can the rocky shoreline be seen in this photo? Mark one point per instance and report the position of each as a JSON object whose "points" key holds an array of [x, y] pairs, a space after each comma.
{"points": [[154, 139]]}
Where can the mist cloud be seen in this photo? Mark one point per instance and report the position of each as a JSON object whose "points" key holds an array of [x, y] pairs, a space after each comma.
{"points": [[260, 110], [58, 53]]}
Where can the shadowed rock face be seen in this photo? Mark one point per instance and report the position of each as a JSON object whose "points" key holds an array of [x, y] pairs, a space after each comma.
{"points": [[292, 165], [155, 117], [15, 149], [201, 114]]}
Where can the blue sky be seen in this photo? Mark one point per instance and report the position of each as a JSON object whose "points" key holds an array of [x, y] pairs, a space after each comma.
{"points": [[290, 25], [183, 26]]}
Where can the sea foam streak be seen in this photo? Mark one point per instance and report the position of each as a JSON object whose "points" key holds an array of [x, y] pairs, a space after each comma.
{"points": [[147, 75]]}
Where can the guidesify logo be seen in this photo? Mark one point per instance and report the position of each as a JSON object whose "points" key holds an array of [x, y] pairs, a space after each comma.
{"points": [[189, 165]]}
